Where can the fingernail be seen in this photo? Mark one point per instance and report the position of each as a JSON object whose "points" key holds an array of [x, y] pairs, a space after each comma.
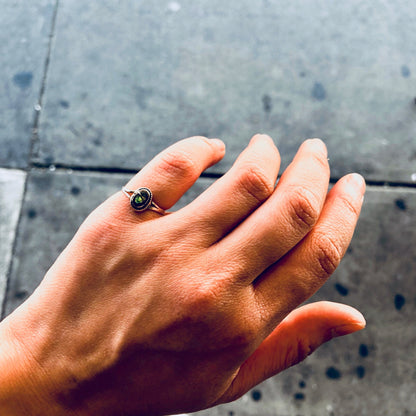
{"points": [[355, 323], [347, 329], [317, 145], [356, 185], [218, 143], [258, 137], [357, 179]]}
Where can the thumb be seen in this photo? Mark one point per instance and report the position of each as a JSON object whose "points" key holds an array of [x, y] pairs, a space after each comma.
{"points": [[296, 337]]}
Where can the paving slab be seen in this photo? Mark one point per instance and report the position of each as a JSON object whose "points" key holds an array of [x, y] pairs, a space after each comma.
{"points": [[11, 194], [127, 79], [24, 39], [368, 373]]}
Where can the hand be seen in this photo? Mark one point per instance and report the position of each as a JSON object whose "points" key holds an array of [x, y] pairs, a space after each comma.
{"points": [[153, 314]]}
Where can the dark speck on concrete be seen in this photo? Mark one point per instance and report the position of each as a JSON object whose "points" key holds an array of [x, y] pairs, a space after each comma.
{"points": [[405, 71], [256, 395], [360, 371], [64, 104], [399, 301], [75, 190], [302, 384], [363, 350], [23, 79], [401, 204], [333, 373], [141, 96], [342, 290], [299, 396], [318, 91], [267, 103], [21, 294], [231, 413], [32, 213]]}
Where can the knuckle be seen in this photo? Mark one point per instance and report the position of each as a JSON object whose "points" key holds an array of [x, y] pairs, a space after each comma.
{"points": [[349, 205], [304, 207], [256, 183], [301, 350], [243, 336], [296, 352], [211, 303], [178, 164], [243, 340], [98, 229], [328, 254], [203, 299]]}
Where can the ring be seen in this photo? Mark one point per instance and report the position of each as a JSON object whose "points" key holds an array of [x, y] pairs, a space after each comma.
{"points": [[142, 199]]}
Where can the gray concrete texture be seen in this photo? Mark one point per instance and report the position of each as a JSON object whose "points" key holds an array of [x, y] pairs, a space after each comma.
{"points": [[118, 81], [135, 76], [24, 36]]}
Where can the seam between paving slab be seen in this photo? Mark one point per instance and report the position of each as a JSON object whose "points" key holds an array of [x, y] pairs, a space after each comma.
{"points": [[213, 175], [33, 141]]}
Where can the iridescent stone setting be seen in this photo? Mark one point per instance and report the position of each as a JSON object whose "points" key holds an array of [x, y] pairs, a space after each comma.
{"points": [[141, 199]]}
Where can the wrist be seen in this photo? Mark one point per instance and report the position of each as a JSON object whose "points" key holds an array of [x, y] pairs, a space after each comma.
{"points": [[23, 382]]}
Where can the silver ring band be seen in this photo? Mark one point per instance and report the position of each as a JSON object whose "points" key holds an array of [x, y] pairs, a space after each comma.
{"points": [[142, 199]]}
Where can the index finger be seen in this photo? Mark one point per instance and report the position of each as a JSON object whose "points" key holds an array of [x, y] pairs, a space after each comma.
{"points": [[168, 176]]}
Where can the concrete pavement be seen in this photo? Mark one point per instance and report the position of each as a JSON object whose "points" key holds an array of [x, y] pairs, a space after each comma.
{"points": [[89, 91]]}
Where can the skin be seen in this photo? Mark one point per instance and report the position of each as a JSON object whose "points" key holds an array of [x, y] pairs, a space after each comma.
{"points": [[150, 314]]}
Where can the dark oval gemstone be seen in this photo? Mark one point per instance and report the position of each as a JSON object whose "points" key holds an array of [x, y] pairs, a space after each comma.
{"points": [[141, 199]]}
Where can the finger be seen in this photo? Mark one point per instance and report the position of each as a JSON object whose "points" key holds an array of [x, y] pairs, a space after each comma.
{"points": [[241, 190], [306, 268], [171, 173], [285, 218], [296, 337]]}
